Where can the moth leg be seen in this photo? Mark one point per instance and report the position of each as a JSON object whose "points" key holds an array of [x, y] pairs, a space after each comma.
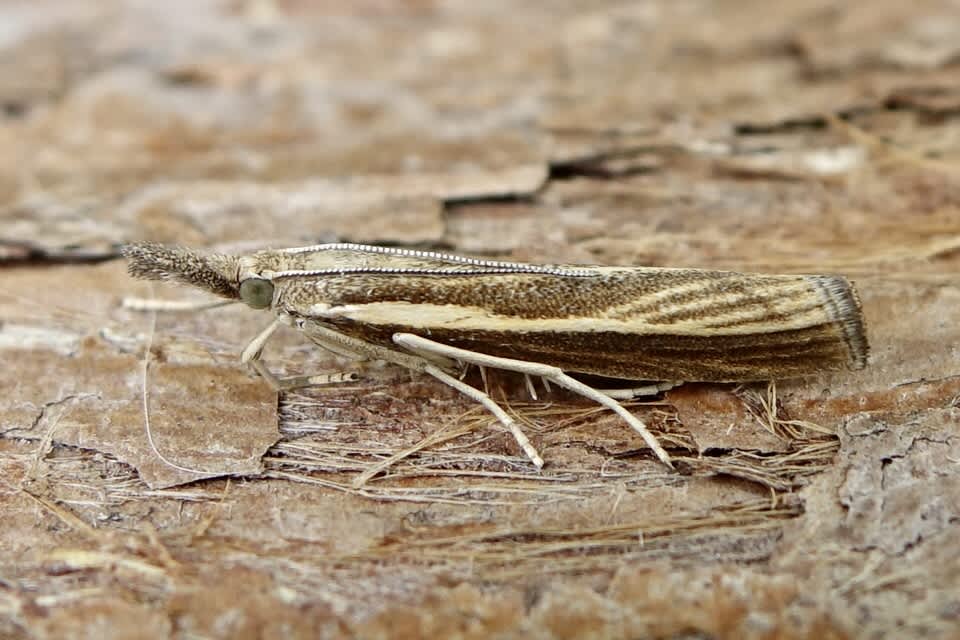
{"points": [[491, 406], [336, 349], [251, 355], [636, 392], [530, 388], [254, 349], [299, 382], [363, 350], [418, 344], [432, 363]]}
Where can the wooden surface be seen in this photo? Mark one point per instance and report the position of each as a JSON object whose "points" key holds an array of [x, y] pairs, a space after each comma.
{"points": [[816, 137]]}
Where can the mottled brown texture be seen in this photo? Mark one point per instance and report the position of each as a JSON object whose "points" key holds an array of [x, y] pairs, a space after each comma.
{"points": [[809, 137], [739, 327]]}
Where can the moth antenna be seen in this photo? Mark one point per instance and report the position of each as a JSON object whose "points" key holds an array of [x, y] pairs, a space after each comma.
{"points": [[145, 398], [215, 272]]}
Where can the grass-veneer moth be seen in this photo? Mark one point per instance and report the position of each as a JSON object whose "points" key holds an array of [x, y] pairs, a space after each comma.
{"points": [[439, 313]]}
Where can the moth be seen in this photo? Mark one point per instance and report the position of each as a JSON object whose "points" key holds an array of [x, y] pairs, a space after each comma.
{"points": [[439, 313]]}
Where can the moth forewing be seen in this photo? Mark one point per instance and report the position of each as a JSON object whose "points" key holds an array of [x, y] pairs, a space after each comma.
{"points": [[426, 311], [637, 324]]}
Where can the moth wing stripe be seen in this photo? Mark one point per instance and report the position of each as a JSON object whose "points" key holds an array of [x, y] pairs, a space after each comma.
{"points": [[655, 300], [711, 300], [425, 316], [752, 317], [694, 293], [738, 310]]}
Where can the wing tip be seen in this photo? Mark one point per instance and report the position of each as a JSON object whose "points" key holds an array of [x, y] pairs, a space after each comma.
{"points": [[843, 304]]}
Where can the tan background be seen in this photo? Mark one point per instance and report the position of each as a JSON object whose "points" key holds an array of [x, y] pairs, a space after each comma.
{"points": [[802, 136]]}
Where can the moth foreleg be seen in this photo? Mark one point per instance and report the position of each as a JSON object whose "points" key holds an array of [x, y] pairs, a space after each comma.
{"points": [[255, 347], [251, 355], [419, 344]]}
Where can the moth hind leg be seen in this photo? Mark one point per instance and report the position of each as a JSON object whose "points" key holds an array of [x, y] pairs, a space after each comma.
{"points": [[419, 344], [488, 403], [439, 366]]}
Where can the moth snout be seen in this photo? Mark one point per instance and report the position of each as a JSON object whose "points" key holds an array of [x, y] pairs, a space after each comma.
{"points": [[213, 272]]}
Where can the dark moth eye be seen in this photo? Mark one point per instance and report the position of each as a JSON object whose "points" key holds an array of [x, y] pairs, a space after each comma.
{"points": [[256, 292]]}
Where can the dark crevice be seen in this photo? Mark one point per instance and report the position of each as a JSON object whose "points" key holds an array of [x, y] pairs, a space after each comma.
{"points": [[16, 254], [493, 198], [594, 168], [802, 123], [900, 102]]}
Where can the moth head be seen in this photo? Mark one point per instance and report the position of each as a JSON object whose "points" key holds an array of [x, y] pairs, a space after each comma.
{"points": [[215, 272]]}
